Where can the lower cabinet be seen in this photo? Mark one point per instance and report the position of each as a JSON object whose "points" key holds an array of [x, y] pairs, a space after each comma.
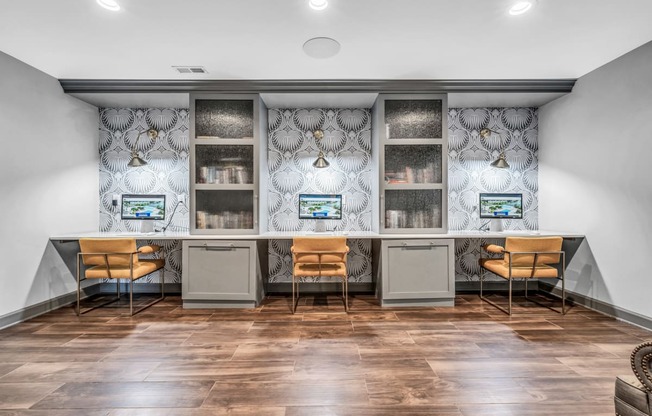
{"points": [[418, 272], [218, 273]]}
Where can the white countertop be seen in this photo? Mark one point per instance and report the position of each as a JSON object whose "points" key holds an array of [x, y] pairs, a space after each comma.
{"points": [[283, 235]]}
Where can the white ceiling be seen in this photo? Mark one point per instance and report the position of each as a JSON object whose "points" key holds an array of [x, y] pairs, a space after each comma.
{"points": [[381, 39]]}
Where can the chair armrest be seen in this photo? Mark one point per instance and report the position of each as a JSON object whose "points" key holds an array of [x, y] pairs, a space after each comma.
{"points": [[151, 248], [533, 252], [494, 248], [106, 253], [641, 361], [320, 252]]}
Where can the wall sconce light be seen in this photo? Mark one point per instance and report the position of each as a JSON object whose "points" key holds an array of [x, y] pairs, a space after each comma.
{"points": [[135, 160], [321, 162], [501, 162]]}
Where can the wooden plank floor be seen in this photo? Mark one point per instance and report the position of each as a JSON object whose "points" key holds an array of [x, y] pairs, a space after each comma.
{"points": [[467, 360]]}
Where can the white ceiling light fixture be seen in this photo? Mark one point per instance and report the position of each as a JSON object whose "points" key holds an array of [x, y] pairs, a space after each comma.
{"points": [[109, 5], [321, 48], [520, 7], [318, 4]]}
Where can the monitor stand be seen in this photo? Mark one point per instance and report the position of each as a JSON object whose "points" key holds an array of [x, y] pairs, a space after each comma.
{"points": [[320, 227], [496, 225], [146, 227]]}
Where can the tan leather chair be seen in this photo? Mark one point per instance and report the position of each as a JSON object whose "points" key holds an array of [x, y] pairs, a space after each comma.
{"points": [[526, 258], [317, 257], [116, 258]]}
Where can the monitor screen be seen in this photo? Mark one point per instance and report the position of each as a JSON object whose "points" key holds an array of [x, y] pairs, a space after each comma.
{"points": [[501, 206], [143, 207], [322, 207]]}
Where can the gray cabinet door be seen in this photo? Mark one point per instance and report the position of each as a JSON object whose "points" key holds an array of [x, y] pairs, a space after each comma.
{"points": [[219, 270], [418, 269]]}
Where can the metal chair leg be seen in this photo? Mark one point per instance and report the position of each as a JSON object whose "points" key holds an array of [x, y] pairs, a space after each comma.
{"points": [[563, 284], [526, 288], [78, 287], [346, 295], [294, 309], [510, 297], [131, 297]]}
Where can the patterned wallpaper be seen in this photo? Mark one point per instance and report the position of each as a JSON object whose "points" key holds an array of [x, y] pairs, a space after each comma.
{"points": [[166, 171], [292, 150], [347, 146], [469, 173]]}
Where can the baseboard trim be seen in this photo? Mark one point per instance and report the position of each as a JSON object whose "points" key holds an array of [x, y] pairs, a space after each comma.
{"points": [[495, 286], [418, 302], [170, 288], [40, 308], [325, 287], [599, 306]]}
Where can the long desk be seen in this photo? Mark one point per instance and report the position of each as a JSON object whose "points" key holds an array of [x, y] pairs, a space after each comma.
{"points": [[232, 270]]}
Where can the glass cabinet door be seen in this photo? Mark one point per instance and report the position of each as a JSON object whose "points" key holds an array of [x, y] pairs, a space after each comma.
{"points": [[224, 209], [224, 164], [412, 164], [224, 154], [413, 209]]}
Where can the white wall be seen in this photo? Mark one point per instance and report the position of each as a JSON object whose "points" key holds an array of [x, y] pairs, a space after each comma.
{"points": [[595, 176], [48, 182]]}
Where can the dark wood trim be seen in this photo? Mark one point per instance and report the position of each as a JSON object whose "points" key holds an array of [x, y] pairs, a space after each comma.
{"points": [[316, 86]]}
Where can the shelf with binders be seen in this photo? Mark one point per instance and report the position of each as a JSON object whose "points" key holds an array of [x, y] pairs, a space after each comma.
{"points": [[410, 209], [413, 164], [225, 210], [224, 164]]}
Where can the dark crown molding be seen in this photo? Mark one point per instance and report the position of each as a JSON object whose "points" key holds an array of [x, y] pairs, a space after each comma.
{"points": [[317, 86]]}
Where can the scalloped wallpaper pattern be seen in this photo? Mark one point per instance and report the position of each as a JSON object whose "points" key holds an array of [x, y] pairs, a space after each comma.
{"points": [[166, 171], [469, 174], [291, 151], [347, 145]]}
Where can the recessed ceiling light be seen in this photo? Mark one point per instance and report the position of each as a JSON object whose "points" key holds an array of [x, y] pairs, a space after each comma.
{"points": [[321, 48], [520, 7], [318, 4], [109, 4]]}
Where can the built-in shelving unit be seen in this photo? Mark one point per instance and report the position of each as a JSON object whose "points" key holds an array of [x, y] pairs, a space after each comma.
{"points": [[225, 135], [413, 163]]}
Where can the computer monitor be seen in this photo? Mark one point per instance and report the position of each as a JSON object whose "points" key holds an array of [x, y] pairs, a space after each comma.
{"points": [[496, 206], [143, 207], [320, 207]]}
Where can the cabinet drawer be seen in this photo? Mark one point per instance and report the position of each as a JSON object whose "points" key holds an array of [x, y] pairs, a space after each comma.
{"points": [[418, 269], [222, 270]]}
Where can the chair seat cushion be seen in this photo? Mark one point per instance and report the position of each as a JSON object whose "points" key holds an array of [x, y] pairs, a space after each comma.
{"points": [[327, 269], [141, 268], [631, 397], [501, 269]]}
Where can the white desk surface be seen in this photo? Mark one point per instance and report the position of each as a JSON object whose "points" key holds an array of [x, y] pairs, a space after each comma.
{"points": [[284, 235]]}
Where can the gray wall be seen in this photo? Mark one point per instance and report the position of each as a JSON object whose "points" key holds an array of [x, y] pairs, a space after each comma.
{"points": [[48, 182], [594, 164]]}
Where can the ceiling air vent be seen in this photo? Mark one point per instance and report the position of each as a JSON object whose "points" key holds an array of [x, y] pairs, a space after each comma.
{"points": [[190, 69]]}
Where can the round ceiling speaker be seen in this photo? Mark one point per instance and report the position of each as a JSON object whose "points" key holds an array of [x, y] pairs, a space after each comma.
{"points": [[321, 48]]}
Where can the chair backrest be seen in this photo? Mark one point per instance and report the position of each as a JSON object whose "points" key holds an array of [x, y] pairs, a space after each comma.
{"points": [[533, 244], [107, 245], [332, 244]]}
